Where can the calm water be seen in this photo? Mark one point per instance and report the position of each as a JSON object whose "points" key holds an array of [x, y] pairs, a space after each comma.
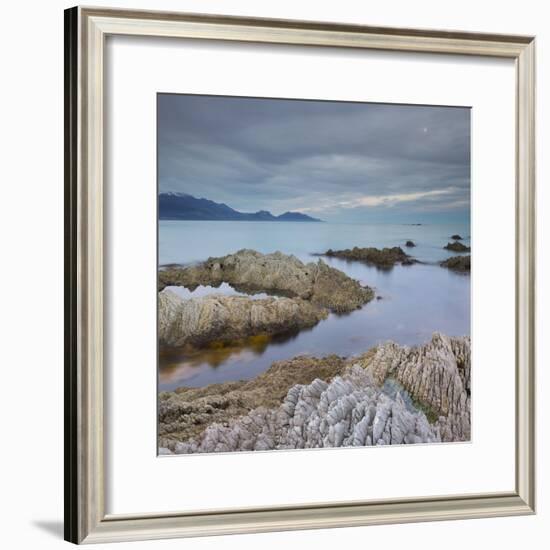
{"points": [[416, 300]]}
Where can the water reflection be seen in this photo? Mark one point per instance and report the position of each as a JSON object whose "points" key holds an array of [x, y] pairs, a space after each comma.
{"points": [[205, 290], [178, 366]]}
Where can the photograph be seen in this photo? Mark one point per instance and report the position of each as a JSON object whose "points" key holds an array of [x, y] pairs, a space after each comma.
{"points": [[313, 274]]}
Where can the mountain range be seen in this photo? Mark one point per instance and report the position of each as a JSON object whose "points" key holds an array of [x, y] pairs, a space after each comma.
{"points": [[181, 206]]}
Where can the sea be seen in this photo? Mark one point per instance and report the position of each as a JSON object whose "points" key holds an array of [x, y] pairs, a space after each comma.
{"points": [[415, 301]]}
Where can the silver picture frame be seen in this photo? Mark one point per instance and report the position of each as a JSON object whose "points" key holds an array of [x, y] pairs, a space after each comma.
{"points": [[85, 518]]}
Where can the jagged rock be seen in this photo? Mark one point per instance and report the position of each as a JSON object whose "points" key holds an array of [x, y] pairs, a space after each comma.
{"points": [[410, 244], [250, 271], [186, 412], [456, 237], [387, 257], [198, 321], [349, 411], [331, 402], [457, 247], [457, 263], [437, 376]]}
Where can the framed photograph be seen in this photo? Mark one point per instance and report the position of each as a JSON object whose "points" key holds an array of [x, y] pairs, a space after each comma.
{"points": [[299, 275]]}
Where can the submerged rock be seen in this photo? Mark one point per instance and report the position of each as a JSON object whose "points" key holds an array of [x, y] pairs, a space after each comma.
{"points": [[198, 321], [386, 257], [410, 244], [457, 247], [457, 263], [330, 402], [456, 237], [250, 271]]}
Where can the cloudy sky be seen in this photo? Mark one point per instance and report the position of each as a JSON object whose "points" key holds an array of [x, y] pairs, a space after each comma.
{"points": [[333, 160]]}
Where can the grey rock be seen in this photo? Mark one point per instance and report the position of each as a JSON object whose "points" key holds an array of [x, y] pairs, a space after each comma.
{"points": [[198, 321], [437, 376], [349, 411]]}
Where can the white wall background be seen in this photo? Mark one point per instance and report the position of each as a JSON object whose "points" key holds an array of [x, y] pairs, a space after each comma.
{"points": [[31, 277]]}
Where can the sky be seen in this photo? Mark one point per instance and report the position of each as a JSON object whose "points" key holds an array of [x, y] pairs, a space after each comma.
{"points": [[338, 161]]}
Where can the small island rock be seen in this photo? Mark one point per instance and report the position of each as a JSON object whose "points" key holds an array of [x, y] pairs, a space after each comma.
{"points": [[457, 263], [384, 258], [457, 247]]}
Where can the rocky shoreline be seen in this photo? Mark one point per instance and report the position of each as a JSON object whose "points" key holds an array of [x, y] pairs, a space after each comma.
{"points": [[390, 394], [308, 402]]}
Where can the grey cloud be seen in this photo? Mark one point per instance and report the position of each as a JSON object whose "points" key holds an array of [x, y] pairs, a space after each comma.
{"points": [[289, 154]]}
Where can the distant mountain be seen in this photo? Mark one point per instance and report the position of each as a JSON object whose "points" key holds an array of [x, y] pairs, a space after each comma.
{"points": [[180, 206], [296, 217]]}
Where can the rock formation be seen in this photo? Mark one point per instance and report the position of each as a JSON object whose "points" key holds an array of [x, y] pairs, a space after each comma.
{"points": [[349, 411], [457, 247], [409, 244], [456, 237], [385, 258], [186, 412], [198, 321], [331, 402], [457, 263], [437, 376], [250, 271]]}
